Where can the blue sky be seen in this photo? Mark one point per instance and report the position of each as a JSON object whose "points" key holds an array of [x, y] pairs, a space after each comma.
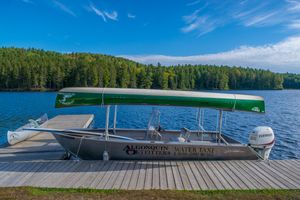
{"points": [[254, 33]]}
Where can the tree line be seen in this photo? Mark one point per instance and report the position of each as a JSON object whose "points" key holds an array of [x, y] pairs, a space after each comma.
{"points": [[34, 69]]}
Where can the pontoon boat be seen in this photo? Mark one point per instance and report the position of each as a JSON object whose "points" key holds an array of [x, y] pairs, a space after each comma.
{"points": [[155, 143]]}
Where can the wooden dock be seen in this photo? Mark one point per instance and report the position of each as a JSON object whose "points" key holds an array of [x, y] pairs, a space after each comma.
{"points": [[36, 162], [136, 175], [44, 146]]}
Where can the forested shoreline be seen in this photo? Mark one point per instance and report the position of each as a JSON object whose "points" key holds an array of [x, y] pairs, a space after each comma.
{"points": [[34, 69]]}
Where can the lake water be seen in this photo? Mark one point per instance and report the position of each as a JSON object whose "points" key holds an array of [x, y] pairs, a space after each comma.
{"points": [[282, 114]]}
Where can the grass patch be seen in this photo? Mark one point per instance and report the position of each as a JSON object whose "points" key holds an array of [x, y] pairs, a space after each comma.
{"points": [[45, 191], [32, 193]]}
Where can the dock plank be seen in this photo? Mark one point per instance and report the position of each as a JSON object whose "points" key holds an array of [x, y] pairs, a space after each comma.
{"points": [[134, 177], [242, 176], [289, 164], [106, 178], [4, 168], [184, 175], [23, 177], [289, 183], [211, 174], [148, 175], [100, 174], [120, 178], [256, 178], [12, 173], [191, 177], [155, 175], [40, 175], [226, 175], [199, 178], [285, 168], [208, 181], [81, 171], [225, 183], [169, 176], [276, 176], [110, 184], [163, 175], [177, 177], [245, 176], [128, 174], [46, 172], [62, 175], [88, 179], [263, 174], [142, 174]]}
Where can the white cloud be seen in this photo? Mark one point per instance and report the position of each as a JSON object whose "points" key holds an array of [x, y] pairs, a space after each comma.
{"points": [[131, 16], [260, 19], [202, 24], [196, 22], [243, 12], [98, 12], [192, 17], [294, 5], [64, 8], [294, 24], [111, 15], [280, 57], [193, 3], [104, 14], [212, 14]]}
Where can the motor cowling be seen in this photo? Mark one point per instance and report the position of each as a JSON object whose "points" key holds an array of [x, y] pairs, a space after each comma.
{"points": [[262, 139]]}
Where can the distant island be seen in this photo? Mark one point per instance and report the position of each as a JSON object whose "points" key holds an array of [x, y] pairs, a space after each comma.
{"points": [[34, 69]]}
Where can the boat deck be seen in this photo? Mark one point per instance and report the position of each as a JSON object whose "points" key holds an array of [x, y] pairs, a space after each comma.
{"points": [[43, 146], [36, 162]]}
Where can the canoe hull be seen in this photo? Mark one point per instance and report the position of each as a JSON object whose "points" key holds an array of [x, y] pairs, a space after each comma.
{"points": [[93, 148], [19, 135], [14, 137]]}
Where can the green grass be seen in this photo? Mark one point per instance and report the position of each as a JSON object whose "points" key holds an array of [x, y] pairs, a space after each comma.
{"points": [[44, 191], [26, 193]]}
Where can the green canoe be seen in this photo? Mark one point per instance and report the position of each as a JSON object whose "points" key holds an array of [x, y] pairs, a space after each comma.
{"points": [[69, 97]]}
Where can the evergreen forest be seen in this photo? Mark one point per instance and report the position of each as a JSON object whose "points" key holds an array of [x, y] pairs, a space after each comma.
{"points": [[35, 69]]}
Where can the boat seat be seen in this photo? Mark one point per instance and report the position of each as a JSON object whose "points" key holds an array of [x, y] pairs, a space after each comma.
{"points": [[153, 133], [185, 132], [184, 135]]}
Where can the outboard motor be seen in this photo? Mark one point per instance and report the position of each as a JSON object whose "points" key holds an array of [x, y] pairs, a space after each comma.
{"points": [[262, 139]]}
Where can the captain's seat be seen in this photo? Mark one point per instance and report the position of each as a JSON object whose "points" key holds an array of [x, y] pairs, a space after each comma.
{"points": [[153, 131], [184, 135]]}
